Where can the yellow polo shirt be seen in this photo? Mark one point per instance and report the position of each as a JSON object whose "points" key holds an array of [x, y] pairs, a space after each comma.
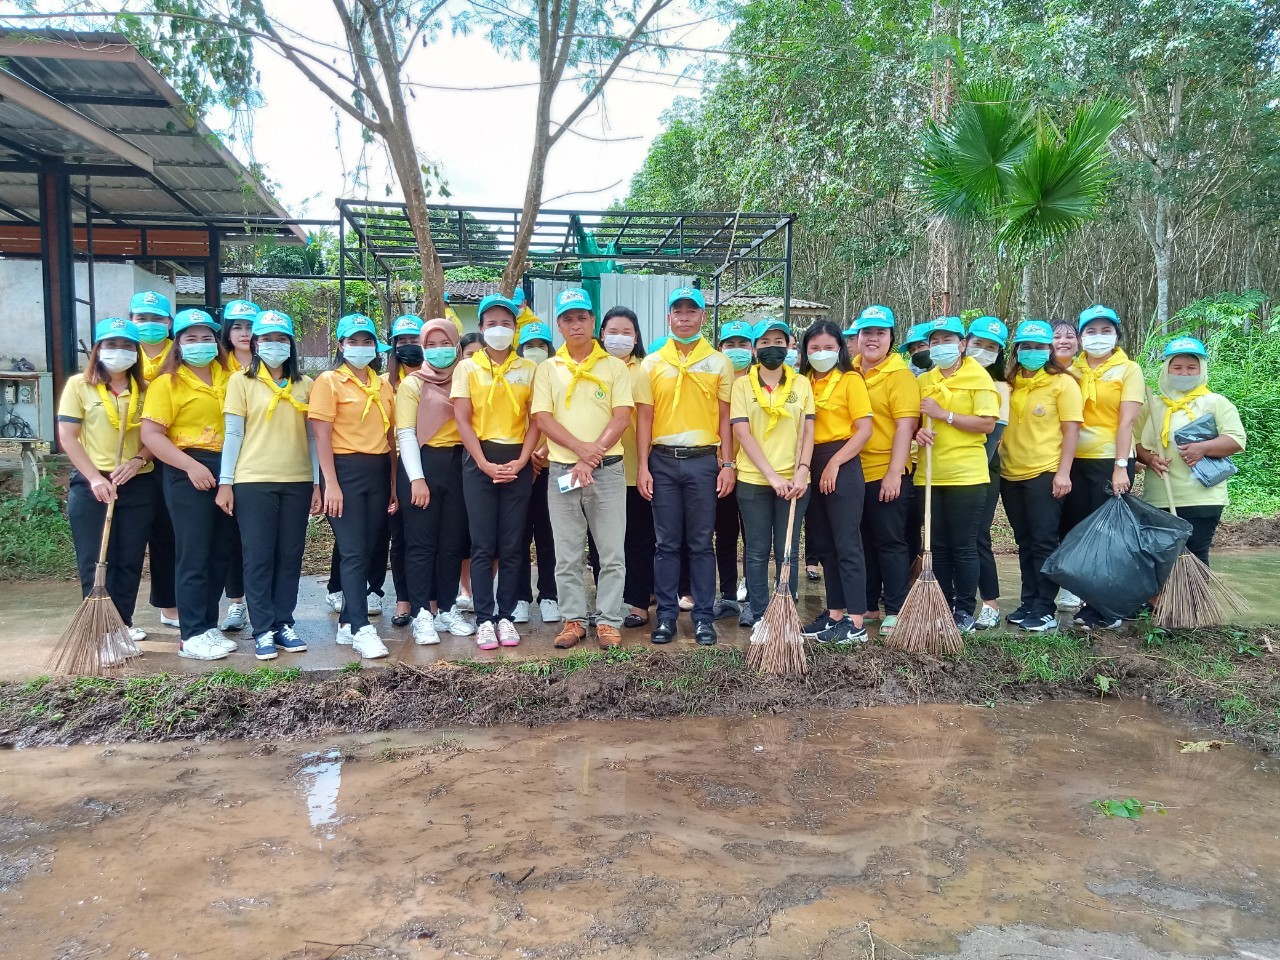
{"points": [[407, 399], [151, 365], [358, 425], [839, 399], [960, 457], [589, 409], [499, 409], [274, 450], [641, 392], [188, 408], [779, 443], [82, 403], [1104, 388], [1038, 407], [894, 395], [686, 410]]}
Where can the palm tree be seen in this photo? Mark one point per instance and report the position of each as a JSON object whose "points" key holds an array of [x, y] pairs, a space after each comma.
{"points": [[998, 165]]}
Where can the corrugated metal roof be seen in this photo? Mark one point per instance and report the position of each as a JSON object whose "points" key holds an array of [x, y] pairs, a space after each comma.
{"points": [[752, 302], [460, 291]]}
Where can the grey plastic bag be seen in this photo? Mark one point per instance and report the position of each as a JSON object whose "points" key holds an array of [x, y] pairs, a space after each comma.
{"points": [[1210, 471]]}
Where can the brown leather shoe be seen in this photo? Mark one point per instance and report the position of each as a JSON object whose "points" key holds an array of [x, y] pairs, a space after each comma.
{"points": [[607, 636], [570, 634]]}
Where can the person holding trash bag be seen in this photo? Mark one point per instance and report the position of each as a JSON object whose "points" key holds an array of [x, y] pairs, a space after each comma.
{"points": [[1045, 413], [987, 337], [1185, 398]]}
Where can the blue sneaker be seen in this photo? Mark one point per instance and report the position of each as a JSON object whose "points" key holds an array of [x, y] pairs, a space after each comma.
{"points": [[287, 639], [264, 646]]}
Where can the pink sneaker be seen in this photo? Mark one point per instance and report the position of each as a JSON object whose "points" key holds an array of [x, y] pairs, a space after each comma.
{"points": [[507, 635], [486, 639]]}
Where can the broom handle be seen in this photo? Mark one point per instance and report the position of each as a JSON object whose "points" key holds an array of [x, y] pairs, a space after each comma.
{"points": [[1168, 487], [784, 568], [928, 490], [100, 571]]}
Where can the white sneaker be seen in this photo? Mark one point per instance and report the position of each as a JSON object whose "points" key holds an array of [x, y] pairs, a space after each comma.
{"points": [[202, 647], [988, 617], [168, 621], [522, 612], [344, 637], [550, 611], [456, 622], [237, 617], [368, 644], [373, 604], [486, 638], [218, 637], [424, 629], [335, 601], [137, 634], [1068, 600], [507, 635], [686, 603], [464, 603], [742, 590]]}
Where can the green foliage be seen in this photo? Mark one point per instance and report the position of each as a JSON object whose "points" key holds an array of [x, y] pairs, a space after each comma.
{"points": [[35, 536], [1043, 657], [1130, 809]]}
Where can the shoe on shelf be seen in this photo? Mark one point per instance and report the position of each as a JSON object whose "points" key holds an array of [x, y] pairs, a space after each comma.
{"points": [[747, 618], [549, 610], [137, 634], [1067, 600], [1018, 617], [335, 601], [607, 636], [1044, 624], [507, 634], [664, 632], [570, 635], [237, 617], [965, 623], [373, 605], [521, 614], [368, 644], [464, 603], [723, 609], [987, 618], [287, 639], [487, 637], [742, 590], [888, 623], [686, 603], [264, 646], [424, 629], [168, 621], [1089, 619], [819, 626], [344, 637], [704, 632], [201, 647]]}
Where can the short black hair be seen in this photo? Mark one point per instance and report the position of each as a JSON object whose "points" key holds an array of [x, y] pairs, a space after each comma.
{"points": [[843, 363]]}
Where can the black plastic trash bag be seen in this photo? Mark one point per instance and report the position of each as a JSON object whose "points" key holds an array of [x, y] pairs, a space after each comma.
{"points": [[1210, 471], [1119, 556]]}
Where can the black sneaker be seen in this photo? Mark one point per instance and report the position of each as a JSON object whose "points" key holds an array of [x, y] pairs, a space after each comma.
{"points": [[1043, 624], [852, 633], [966, 623], [723, 609], [819, 627], [664, 632], [1089, 619], [746, 618], [1019, 616]]}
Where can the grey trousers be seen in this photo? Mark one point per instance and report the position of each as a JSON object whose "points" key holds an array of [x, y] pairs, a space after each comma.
{"points": [[600, 507]]}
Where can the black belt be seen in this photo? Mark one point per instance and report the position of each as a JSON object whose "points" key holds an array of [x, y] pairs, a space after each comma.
{"points": [[683, 453], [610, 461]]}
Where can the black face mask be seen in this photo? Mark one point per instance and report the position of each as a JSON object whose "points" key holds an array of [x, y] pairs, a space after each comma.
{"points": [[410, 354], [922, 360], [771, 358]]}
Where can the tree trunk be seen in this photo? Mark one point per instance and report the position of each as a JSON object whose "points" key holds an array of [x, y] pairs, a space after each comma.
{"points": [[1026, 289]]}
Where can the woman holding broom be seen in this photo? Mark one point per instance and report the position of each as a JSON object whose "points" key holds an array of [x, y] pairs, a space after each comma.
{"points": [[1185, 396], [771, 410], [987, 337], [99, 421]]}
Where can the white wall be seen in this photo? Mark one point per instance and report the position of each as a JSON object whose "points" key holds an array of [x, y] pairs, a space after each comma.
{"points": [[22, 331]]}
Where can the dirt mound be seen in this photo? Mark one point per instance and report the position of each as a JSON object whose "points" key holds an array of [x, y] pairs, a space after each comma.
{"points": [[1253, 532]]}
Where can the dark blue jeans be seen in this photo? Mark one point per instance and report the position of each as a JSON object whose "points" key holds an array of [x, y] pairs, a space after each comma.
{"points": [[684, 512], [764, 520]]}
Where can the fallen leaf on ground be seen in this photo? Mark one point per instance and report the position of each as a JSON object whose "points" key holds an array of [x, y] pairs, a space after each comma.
{"points": [[1202, 746]]}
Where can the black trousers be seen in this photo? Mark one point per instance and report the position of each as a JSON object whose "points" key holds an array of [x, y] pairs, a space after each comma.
{"points": [[1204, 522], [162, 557], [136, 504], [1089, 482], [884, 542], [497, 515], [728, 529], [376, 575], [957, 518], [435, 537], [988, 577], [538, 532], [1034, 515], [396, 547], [684, 514], [203, 537], [765, 516], [365, 479], [834, 529], [637, 591], [235, 567], [273, 532], [915, 519]]}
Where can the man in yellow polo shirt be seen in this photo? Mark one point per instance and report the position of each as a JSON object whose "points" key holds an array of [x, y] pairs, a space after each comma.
{"points": [[685, 451], [582, 404]]}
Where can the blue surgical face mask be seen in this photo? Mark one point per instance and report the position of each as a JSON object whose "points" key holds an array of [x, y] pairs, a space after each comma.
{"points": [[199, 354], [359, 357], [153, 331], [274, 354], [792, 358], [740, 357], [945, 355], [694, 339], [441, 358], [1034, 359]]}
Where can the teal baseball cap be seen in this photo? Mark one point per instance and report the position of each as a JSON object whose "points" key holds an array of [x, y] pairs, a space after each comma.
{"points": [[989, 328], [272, 321], [1183, 346], [573, 298], [657, 343], [1034, 331], [240, 310], [406, 325], [354, 323], [873, 316], [946, 324], [1097, 312], [518, 297], [917, 333], [150, 302], [110, 327], [536, 330], [772, 323], [687, 293], [497, 300], [194, 318], [737, 328]]}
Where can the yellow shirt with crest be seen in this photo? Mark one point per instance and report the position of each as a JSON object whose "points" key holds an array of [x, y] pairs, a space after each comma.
{"points": [[1117, 380], [274, 450], [499, 411], [959, 456], [82, 403], [691, 416], [895, 396], [778, 444], [1038, 407], [358, 427], [589, 409]]}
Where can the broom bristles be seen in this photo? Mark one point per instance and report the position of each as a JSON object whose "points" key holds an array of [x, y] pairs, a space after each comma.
{"points": [[96, 641], [777, 642], [1194, 596], [925, 622]]}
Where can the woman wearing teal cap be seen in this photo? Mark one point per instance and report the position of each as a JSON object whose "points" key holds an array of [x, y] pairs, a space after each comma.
{"points": [[404, 360], [237, 340], [987, 337], [109, 465], [737, 341], [534, 344]]}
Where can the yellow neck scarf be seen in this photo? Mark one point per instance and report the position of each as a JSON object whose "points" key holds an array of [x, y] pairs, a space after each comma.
{"points": [[219, 386], [581, 371], [279, 393], [1089, 376], [1184, 405], [372, 388], [701, 350], [888, 365], [112, 409], [774, 404], [1022, 387], [151, 365], [824, 402], [968, 376], [499, 375]]}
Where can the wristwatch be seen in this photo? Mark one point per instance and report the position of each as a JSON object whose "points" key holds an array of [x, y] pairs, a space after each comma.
{"points": [[728, 465], [951, 417], [1122, 463]]}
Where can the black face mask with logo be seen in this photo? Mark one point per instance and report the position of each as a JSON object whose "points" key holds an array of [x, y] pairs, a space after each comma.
{"points": [[410, 354], [771, 358]]}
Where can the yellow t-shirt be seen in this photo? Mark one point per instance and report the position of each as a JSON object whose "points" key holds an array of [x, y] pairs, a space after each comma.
{"points": [[641, 392], [895, 396], [151, 365], [839, 399], [82, 403], [499, 409], [407, 399], [686, 410], [1187, 490], [1116, 381], [960, 457], [358, 424], [1038, 407], [589, 409], [779, 443], [189, 408], [273, 450]]}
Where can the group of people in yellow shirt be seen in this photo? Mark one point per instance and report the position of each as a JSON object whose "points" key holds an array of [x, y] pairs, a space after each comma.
{"points": [[217, 448]]}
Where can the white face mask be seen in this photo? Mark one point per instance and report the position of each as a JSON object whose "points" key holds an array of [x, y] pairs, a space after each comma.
{"points": [[945, 355], [1098, 344], [1183, 383], [793, 357], [275, 354], [359, 357], [534, 354], [823, 360], [619, 344], [984, 358], [498, 338], [117, 361]]}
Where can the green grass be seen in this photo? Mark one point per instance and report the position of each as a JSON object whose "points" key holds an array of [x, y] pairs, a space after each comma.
{"points": [[1043, 657], [35, 536]]}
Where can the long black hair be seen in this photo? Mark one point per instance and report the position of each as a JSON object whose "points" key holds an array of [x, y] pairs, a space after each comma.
{"points": [[843, 363], [291, 367], [467, 340], [627, 313]]}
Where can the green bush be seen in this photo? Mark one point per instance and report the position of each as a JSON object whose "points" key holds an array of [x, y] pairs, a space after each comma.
{"points": [[35, 537]]}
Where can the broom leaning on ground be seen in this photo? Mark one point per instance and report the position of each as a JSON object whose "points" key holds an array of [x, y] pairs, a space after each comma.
{"points": [[97, 639], [925, 622]]}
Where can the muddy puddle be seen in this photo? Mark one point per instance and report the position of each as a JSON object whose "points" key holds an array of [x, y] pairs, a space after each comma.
{"points": [[887, 833]]}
